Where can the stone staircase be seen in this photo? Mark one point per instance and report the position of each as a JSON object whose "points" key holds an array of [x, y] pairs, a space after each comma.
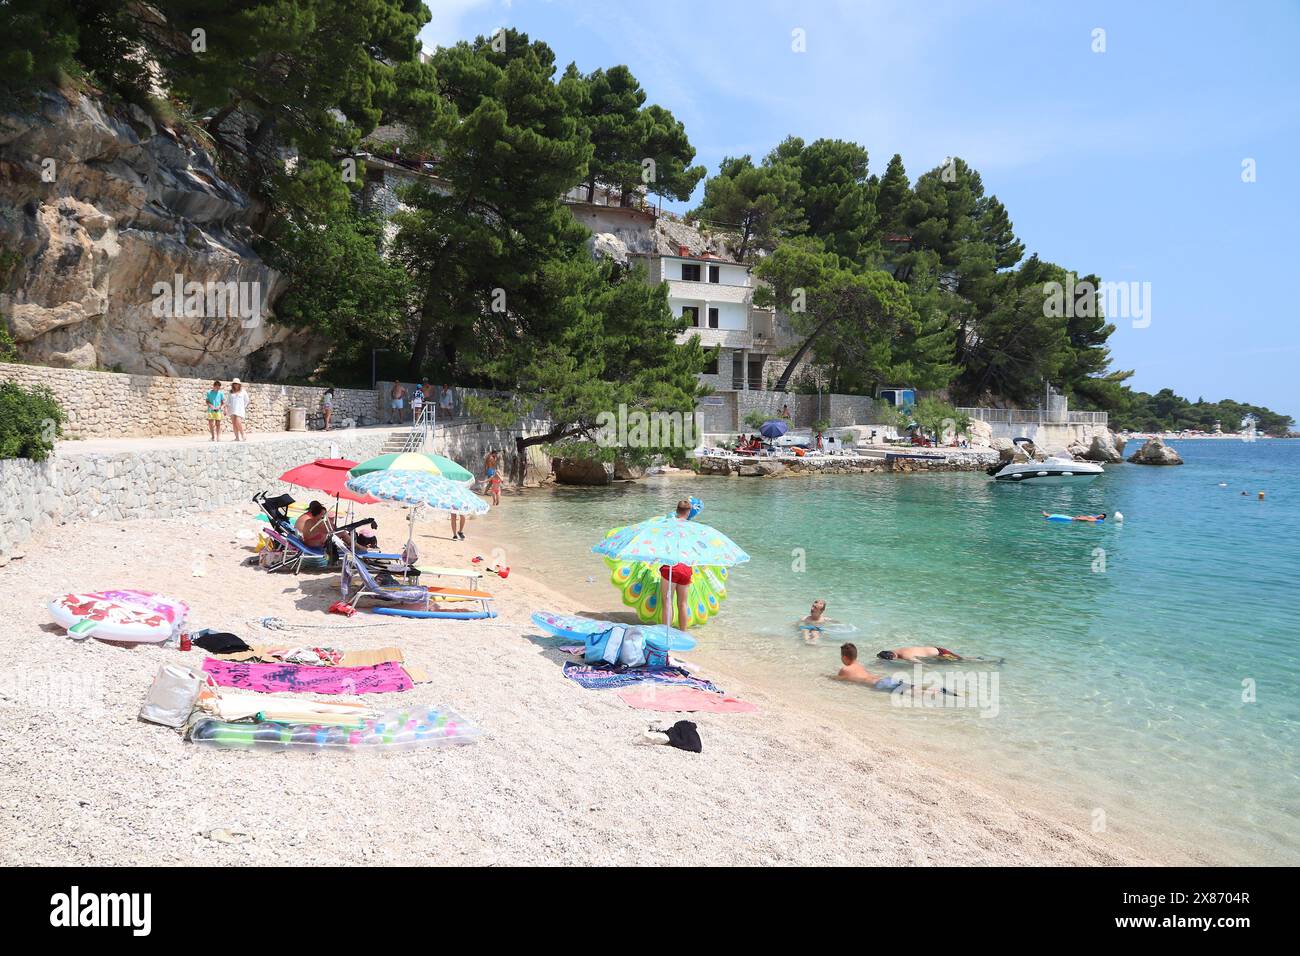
{"points": [[401, 440]]}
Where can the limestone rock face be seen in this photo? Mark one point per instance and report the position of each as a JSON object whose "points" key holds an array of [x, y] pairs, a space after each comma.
{"points": [[1008, 451], [97, 208], [581, 471], [1102, 448], [760, 468], [981, 434], [625, 471], [606, 245], [1156, 452]]}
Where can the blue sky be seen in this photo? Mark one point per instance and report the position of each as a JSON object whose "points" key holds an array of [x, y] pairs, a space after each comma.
{"points": [[1126, 163]]}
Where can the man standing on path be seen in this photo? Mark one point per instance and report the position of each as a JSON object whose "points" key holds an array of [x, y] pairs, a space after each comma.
{"points": [[398, 403]]}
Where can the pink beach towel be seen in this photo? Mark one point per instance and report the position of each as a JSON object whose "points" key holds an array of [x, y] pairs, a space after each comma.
{"points": [[304, 679], [684, 698]]}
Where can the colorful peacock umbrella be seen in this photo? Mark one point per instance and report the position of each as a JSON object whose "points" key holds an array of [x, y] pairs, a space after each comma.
{"points": [[419, 489], [638, 585], [413, 461], [672, 540]]}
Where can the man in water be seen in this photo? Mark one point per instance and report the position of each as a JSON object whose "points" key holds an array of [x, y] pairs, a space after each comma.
{"points": [[855, 672], [914, 654], [811, 625]]}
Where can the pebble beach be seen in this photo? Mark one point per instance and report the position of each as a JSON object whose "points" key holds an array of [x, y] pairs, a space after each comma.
{"points": [[558, 775]]}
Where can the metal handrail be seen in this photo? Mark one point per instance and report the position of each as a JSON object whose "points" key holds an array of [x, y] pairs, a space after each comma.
{"points": [[420, 437]]}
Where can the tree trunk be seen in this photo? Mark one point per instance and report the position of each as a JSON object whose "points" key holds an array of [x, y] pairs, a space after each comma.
{"points": [[798, 356], [522, 444]]}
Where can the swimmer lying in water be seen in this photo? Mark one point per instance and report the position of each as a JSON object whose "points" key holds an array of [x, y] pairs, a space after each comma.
{"points": [[913, 654], [854, 671], [1052, 517]]}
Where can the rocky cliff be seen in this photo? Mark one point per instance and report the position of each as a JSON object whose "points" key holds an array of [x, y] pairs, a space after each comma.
{"points": [[99, 205]]}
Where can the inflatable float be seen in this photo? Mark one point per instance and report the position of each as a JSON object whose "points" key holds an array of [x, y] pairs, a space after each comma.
{"points": [[638, 584], [397, 730], [137, 617], [1086, 519], [576, 627], [446, 615]]}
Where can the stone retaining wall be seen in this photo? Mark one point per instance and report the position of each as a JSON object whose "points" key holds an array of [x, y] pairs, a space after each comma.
{"points": [[974, 460], [116, 405]]}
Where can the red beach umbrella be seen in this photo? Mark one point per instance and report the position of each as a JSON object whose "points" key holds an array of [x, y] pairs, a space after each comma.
{"points": [[328, 475]]}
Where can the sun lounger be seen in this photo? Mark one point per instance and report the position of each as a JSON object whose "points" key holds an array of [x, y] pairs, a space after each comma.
{"points": [[290, 551], [358, 581], [471, 575]]}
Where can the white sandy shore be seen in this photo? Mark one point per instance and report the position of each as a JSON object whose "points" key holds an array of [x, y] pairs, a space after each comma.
{"points": [[556, 778]]}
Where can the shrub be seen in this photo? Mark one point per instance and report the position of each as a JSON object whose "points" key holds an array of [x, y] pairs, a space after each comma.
{"points": [[30, 421]]}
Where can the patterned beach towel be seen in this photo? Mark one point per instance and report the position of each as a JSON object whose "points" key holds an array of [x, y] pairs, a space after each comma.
{"points": [[305, 679], [595, 678]]}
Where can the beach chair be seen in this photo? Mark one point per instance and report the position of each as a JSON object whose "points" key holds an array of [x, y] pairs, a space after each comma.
{"points": [[289, 551], [358, 581]]}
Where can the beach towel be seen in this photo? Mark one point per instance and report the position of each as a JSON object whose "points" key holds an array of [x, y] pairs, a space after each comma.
{"points": [[305, 679], [595, 678], [684, 698]]}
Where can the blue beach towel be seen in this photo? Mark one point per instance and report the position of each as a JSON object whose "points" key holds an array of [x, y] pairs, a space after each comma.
{"points": [[598, 678]]}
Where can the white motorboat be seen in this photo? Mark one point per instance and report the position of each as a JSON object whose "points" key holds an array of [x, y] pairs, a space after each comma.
{"points": [[1055, 469]]}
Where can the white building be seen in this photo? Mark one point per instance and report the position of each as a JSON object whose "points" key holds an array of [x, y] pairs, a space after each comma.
{"points": [[716, 298]]}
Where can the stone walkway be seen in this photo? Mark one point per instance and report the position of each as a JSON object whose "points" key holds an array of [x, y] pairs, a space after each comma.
{"points": [[117, 445]]}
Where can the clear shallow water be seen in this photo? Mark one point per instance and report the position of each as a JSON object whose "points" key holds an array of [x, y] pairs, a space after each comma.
{"points": [[1121, 688]]}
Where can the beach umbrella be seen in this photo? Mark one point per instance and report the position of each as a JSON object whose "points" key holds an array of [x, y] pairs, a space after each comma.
{"points": [[419, 489], [413, 461], [773, 429], [670, 540], [329, 475]]}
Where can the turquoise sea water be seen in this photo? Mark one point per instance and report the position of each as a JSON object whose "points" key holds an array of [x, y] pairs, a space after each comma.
{"points": [[1151, 667]]}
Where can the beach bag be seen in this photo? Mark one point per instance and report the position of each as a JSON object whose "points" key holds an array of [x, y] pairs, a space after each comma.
{"points": [[631, 652], [603, 647], [656, 653], [172, 695]]}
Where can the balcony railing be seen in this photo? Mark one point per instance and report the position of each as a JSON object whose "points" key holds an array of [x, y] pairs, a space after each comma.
{"points": [[1034, 416]]}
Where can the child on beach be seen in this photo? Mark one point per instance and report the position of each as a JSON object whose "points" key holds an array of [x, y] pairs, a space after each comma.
{"points": [[492, 477], [216, 404], [853, 669]]}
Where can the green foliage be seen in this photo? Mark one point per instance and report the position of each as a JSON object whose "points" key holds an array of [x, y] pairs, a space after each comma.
{"points": [[30, 422], [937, 418], [1166, 411], [608, 106], [754, 419], [341, 286], [848, 321], [606, 339], [476, 249], [758, 203], [836, 197], [8, 347]]}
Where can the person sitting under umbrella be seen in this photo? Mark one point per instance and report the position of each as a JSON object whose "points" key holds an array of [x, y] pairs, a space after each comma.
{"points": [[314, 525], [678, 576]]}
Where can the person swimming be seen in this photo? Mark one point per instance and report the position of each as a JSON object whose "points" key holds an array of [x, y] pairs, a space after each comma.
{"points": [[1052, 517], [853, 671], [811, 626], [919, 653]]}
